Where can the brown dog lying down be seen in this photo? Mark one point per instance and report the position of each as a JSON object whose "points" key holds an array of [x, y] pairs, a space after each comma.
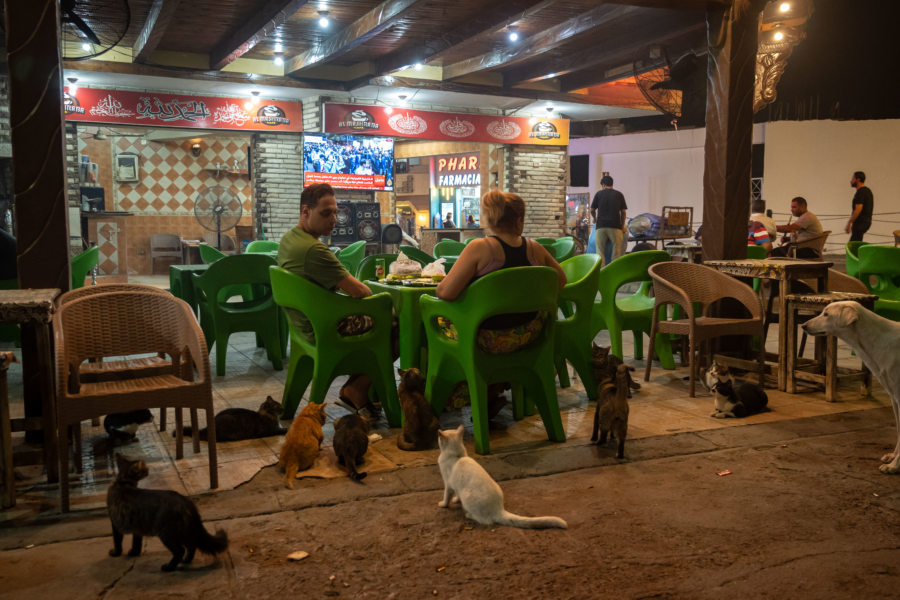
{"points": [[875, 340]]}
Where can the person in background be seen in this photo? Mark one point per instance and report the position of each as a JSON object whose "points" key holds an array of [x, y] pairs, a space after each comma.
{"points": [[301, 252], [758, 235], [805, 226], [608, 211], [506, 247], [470, 222], [448, 222], [862, 205], [758, 214]]}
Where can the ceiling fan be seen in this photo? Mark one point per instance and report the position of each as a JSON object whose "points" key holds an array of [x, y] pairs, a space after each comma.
{"points": [[89, 29]]}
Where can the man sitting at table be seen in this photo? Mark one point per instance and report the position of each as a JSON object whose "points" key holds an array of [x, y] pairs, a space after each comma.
{"points": [[805, 226], [301, 252]]}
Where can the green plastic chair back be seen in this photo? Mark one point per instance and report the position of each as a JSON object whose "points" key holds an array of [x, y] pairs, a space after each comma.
{"points": [[423, 258], [82, 264], [469, 240], [352, 255], [209, 255], [530, 369], [879, 269], [562, 249], [331, 354], [446, 248], [262, 246], [852, 253], [573, 332], [633, 313], [545, 241], [756, 252], [10, 332], [219, 317]]}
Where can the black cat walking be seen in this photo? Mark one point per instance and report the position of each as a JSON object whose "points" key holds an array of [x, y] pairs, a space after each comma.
{"points": [[163, 513]]}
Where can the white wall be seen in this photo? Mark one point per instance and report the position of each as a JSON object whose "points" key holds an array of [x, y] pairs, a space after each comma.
{"points": [[816, 159]]}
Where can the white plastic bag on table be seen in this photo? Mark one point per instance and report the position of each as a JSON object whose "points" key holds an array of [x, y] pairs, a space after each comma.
{"points": [[435, 268], [404, 265]]}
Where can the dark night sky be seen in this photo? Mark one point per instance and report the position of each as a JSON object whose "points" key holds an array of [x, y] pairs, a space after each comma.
{"points": [[846, 68]]}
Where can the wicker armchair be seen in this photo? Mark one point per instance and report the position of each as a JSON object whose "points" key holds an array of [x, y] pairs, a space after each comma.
{"points": [[687, 284], [816, 244], [126, 323]]}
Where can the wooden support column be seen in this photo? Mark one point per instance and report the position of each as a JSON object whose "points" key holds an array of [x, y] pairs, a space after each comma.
{"points": [[732, 42], [39, 170]]}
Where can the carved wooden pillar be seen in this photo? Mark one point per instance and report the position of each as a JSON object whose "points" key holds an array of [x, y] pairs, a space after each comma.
{"points": [[732, 41], [39, 170]]}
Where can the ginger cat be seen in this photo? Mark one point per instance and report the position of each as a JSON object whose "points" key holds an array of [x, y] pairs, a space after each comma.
{"points": [[302, 442], [481, 498]]}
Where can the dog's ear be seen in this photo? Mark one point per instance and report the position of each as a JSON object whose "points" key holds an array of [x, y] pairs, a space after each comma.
{"points": [[847, 314]]}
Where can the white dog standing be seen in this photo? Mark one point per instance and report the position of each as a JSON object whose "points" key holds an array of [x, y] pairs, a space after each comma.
{"points": [[875, 340]]}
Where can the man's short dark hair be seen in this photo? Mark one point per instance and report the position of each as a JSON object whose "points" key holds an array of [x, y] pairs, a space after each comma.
{"points": [[311, 194], [606, 181], [799, 200], [758, 205], [860, 176]]}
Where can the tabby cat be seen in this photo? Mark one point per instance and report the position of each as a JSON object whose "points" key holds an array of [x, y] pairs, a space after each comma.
{"points": [[481, 498], [351, 440], [612, 409], [420, 426], [233, 424], [302, 442], [163, 513], [604, 364]]}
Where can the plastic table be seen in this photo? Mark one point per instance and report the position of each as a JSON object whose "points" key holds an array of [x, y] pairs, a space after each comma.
{"points": [[409, 319]]}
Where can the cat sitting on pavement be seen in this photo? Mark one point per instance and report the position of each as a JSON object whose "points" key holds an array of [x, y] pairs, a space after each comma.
{"points": [[466, 482], [302, 442], [351, 441], [233, 424], [420, 426], [733, 400], [163, 513]]}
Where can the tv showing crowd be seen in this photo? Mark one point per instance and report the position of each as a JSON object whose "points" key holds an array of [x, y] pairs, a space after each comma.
{"points": [[349, 161]]}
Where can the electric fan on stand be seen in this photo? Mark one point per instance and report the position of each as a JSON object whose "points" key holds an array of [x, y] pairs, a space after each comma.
{"points": [[217, 209], [85, 34]]}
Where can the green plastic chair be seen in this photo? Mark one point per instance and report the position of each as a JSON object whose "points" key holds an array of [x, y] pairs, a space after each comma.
{"points": [[757, 253], [469, 241], [562, 249], [852, 253], [262, 246], [530, 370], [82, 265], [573, 332], [352, 255], [332, 354], [209, 255], [219, 318], [423, 258], [879, 269], [545, 241], [445, 248], [634, 313]]}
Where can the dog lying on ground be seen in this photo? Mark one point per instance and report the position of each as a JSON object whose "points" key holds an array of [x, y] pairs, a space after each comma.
{"points": [[733, 400], [875, 341]]}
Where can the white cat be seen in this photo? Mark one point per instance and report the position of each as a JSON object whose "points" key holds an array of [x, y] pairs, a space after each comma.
{"points": [[466, 482]]}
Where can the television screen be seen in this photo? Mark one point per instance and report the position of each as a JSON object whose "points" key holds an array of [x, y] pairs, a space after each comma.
{"points": [[348, 161]]}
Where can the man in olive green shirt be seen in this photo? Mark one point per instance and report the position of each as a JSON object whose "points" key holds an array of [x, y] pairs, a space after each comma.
{"points": [[301, 252]]}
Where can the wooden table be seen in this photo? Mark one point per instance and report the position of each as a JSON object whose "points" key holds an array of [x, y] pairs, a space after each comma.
{"points": [[827, 364], [692, 252], [783, 270], [182, 285], [34, 307], [409, 318], [189, 250]]}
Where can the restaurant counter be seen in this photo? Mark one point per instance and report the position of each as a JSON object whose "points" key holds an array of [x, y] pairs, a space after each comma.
{"points": [[430, 237]]}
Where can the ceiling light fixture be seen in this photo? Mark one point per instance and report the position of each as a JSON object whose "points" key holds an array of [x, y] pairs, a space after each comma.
{"points": [[778, 36], [513, 33], [402, 98], [73, 85], [323, 19], [279, 59], [389, 79], [86, 47], [279, 47], [784, 7], [549, 108], [418, 66]]}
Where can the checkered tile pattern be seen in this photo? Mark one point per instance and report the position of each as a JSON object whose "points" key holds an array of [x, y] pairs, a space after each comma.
{"points": [[171, 178], [108, 243]]}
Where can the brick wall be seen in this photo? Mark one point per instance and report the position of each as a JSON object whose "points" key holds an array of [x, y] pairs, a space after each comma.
{"points": [[538, 174], [277, 182], [5, 138]]}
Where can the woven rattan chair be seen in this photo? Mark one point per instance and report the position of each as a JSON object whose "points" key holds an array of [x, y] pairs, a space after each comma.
{"points": [[816, 244], [122, 324], [686, 284], [164, 245]]}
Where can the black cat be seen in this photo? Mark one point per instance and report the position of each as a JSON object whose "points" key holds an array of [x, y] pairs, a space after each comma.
{"points": [[351, 441], [123, 426], [233, 424], [163, 513]]}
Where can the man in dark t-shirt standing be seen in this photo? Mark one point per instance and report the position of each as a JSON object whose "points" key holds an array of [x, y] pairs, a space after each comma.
{"points": [[862, 204], [608, 212]]}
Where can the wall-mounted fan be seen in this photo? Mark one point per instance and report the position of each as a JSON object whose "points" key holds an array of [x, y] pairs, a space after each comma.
{"points": [[90, 28], [677, 89], [217, 209]]}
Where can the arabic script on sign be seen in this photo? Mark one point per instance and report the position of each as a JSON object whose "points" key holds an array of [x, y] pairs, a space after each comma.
{"points": [[110, 107], [231, 114], [503, 129], [154, 108]]}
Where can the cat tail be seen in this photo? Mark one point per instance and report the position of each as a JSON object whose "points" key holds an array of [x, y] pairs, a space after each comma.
{"points": [[210, 544], [513, 520], [187, 431]]}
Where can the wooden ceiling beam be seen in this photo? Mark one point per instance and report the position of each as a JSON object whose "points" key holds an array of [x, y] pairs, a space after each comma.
{"points": [[363, 29], [541, 43], [621, 45], [159, 17], [262, 25], [487, 23]]}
